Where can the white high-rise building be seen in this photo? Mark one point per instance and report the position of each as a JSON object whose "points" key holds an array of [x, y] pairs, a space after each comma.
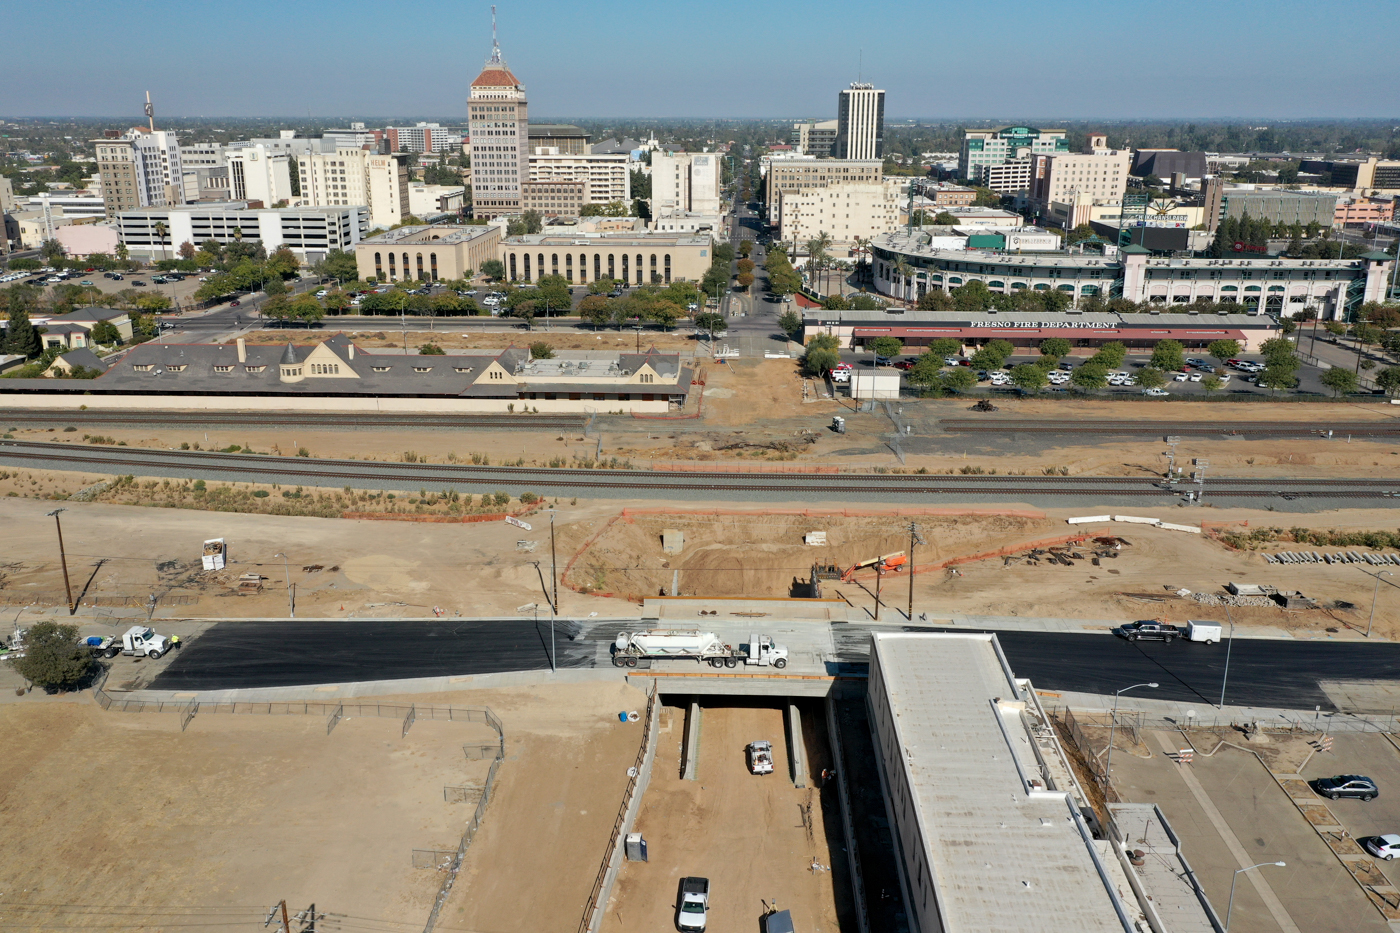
{"points": [[685, 182], [605, 176], [860, 123], [258, 174], [351, 176], [500, 138]]}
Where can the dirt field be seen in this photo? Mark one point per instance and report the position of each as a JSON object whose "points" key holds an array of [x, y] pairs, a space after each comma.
{"points": [[160, 828], [152, 828], [755, 837], [761, 555]]}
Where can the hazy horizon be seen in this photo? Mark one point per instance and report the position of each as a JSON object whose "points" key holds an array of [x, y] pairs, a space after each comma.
{"points": [[1183, 60]]}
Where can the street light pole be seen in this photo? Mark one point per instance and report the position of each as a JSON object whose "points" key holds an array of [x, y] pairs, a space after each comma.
{"points": [[1108, 766], [63, 559], [1228, 646], [1235, 878], [287, 572], [1374, 593]]}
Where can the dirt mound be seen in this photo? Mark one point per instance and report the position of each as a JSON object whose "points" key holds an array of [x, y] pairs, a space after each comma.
{"points": [[763, 554]]}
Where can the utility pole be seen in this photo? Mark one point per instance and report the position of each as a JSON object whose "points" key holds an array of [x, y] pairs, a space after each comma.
{"points": [[553, 566], [879, 575], [914, 538], [280, 906], [63, 559]]}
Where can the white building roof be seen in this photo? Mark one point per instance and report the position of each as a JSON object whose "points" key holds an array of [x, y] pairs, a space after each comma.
{"points": [[1004, 855]]}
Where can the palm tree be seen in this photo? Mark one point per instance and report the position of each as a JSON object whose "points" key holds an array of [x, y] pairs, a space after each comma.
{"points": [[905, 273], [816, 253], [163, 232], [861, 249]]}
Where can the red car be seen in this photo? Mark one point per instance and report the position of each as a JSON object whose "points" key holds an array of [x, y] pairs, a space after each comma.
{"points": [[233, 303], [842, 366], [964, 362], [905, 365]]}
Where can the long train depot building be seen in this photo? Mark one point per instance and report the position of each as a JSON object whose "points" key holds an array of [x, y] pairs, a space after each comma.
{"points": [[1333, 288], [1086, 331]]}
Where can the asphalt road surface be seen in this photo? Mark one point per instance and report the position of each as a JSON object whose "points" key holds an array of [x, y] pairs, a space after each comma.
{"points": [[1267, 673], [235, 655]]}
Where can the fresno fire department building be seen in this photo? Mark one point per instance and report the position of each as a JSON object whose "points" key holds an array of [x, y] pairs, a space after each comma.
{"points": [[1086, 331]]}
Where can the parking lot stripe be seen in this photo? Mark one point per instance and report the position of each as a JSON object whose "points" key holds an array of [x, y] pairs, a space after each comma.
{"points": [[1237, 851]]}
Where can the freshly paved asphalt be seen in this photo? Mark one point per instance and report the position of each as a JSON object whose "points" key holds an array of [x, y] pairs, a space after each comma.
{"points": [[1267, 673], [240, 655]]}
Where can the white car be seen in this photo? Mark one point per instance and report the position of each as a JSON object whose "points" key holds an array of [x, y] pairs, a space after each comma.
{"points": [[1224, 378], [1386, 847], [322, 293], [1128, 381], [1115, 380], [1156, 393], [761, 758], [950, 361], [1195, 377], [1180, 377]]}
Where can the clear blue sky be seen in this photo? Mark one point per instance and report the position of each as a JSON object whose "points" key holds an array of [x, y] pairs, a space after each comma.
{"points": [[1269, 59]]}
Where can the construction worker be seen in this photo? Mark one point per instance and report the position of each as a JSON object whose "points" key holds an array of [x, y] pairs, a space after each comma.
{"points": [[175, 641]]}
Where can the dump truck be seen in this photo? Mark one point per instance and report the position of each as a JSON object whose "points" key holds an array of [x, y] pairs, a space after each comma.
{"points": [[760, 757], [137, 641], [630, 648], [694, 902]]}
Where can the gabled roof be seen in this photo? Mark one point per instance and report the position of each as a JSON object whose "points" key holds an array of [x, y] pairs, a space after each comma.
{"points": [[83, 357], [90, 314]]}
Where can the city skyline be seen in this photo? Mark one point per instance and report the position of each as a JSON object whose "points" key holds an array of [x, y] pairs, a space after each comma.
{"points": [[1249, 59]]}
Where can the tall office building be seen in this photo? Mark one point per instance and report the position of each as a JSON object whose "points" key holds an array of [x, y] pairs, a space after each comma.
{"points": [[357, 176], [500, 138], [259, 174], [142, 168], [860, 123], [984, 148]]}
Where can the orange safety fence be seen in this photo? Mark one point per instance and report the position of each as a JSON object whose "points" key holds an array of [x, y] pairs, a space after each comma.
{"points": [[564, 577], [999, 552]]}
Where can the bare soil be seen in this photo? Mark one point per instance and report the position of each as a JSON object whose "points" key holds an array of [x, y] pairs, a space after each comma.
{"points": [[756, 837], [120, 820]]}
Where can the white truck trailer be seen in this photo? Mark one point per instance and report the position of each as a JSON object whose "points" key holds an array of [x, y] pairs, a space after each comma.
{"points": [[1208, 632], [630, 648]]}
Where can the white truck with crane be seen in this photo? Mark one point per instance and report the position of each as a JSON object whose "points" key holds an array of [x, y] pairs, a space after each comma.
{"points": [[631, 648]]}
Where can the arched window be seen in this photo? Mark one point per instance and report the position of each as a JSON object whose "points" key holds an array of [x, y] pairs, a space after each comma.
{"points": [[583, 267], [1042, 287], [668, 268], [996, 284], [378, 266], [625, 277], [612, 272], [639, 268], [419, 257], [539, 264], [569, 267], [406, 273], [1017, 285], [432, 258], [598, 265], [527, 267], [393, 272], [512, 266]]}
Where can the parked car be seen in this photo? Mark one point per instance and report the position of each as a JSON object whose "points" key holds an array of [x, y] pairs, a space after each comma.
{"points": [[883, 361], [1206, 368], [1195, 377], [1067, 367], [1149, 629], [1181, 377], [1194, 361], [1233, 362], [1346, 785], [844, 367], [905, 365], [138, 283], [1386, 847], [1156, 393], [951, 361], [85, 282], [322, 293]]}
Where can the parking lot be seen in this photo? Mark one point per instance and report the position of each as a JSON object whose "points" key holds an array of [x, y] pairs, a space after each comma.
{"points": [[1372, 755], [1229, 813]]}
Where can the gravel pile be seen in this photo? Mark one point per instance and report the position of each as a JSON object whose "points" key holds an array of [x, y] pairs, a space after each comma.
{"points": [[1210, 599]]}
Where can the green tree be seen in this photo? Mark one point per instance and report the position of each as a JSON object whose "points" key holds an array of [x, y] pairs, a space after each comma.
{"points": [[1002, 348], [935, 299], [1089, 377], [493, 269], [340, 265], [540, 350], [555, 293], [595, 309], [53, 657], [821, 354], [274, 286], [790, 322], [1277, 375], [431, 349], [106, 333], [959, 379], [1112, 354], [1150, 377], [710, 322], [887, 346], [1055, 348], [1340, 380], [1389, 379], [21, 337], [945, 219], [533, 221], [942, 347], [1279, 350], [1212, 384], [1029, 377], [863, 302], [972, 298], [153, 301], [1222, 350], [1168, 355], [51, 251], [927, 371], [987, 358], [745, 247]]}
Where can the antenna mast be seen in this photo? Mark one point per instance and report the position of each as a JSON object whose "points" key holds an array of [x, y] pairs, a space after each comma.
{"points": [[495, 45], [150, 112]]}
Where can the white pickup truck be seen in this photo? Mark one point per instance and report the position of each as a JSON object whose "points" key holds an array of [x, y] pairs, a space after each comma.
{"points": [[694, 902]]}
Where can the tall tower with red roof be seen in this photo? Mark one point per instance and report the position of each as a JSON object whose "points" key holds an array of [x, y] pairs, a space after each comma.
{"points": [[498, 114]]}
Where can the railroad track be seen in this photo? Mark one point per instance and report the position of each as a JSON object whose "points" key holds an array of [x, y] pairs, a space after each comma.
{"points": [[1164, 428], [631, 483], [11, 416]]}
